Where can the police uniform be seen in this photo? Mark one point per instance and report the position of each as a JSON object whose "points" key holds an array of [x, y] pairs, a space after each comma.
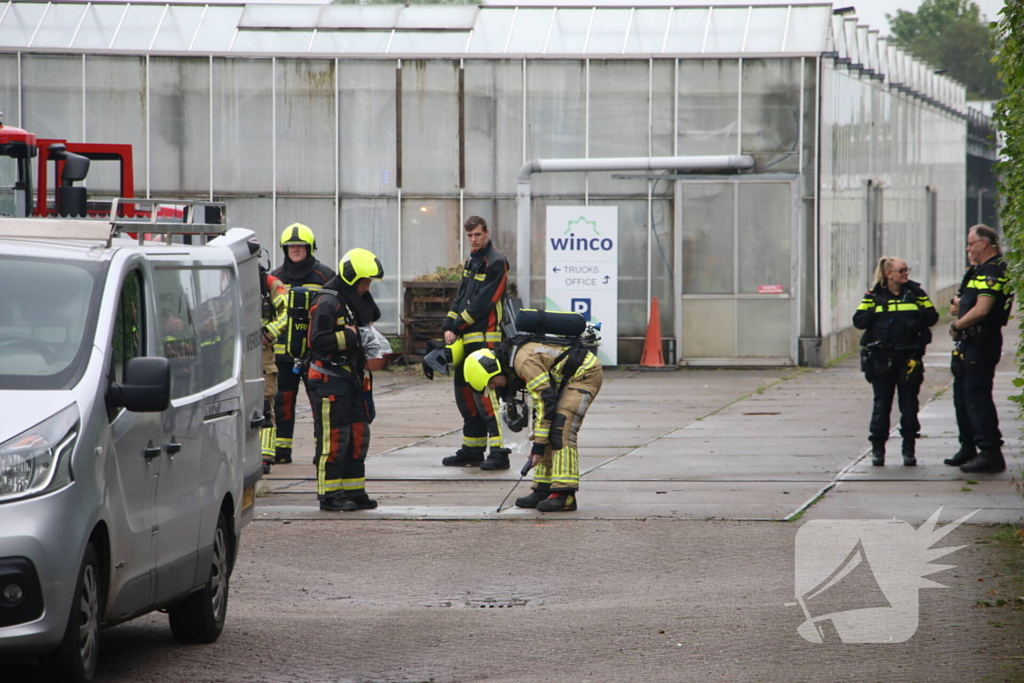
{"points": [[340, 389], [475, 316], [956, 366], [274, 296], [311, 274], [896, 332], [982, 345]]}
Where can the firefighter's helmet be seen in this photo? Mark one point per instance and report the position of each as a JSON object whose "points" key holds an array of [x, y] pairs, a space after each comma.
{"points": [[357, 264], [297, 233], [481, 366]]}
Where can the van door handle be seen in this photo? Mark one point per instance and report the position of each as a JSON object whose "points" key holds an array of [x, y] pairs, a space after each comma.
{"points": [[150, 451], [172, 448], [256, 422]]}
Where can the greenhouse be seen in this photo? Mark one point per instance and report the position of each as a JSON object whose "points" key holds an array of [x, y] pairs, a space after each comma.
{"points": [[385, 126]]}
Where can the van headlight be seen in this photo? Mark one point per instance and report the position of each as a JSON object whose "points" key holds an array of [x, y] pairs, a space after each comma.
{"points": [[38, 459]]}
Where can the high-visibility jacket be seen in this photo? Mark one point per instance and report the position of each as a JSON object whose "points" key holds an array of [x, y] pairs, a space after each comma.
{"points": [[310, 274], [275, 308], [899, 322], [535, 363], [989, 279], [476, 313]]}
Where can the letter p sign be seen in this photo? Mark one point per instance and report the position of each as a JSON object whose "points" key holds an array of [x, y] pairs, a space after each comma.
{"points": [[581, 306]]}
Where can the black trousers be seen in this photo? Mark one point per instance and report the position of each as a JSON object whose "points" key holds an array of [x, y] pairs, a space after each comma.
{"points": [[904, 381], [284, 404], [980, 360]]}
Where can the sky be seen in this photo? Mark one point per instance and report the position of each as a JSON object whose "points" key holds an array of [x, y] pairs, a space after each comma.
{"points": [[872, 12]]}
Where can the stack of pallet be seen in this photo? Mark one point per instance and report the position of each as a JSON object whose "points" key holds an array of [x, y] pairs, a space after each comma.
{"points": [[424, 309]]}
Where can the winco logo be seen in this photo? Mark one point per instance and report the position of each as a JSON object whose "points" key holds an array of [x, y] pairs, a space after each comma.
{"points": [[573, 242], [861, 577]]}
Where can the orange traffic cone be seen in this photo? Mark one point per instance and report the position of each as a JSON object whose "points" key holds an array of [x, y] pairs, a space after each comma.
{"points": [[652, 357]]}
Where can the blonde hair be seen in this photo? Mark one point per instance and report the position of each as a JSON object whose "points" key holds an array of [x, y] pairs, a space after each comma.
{"points": [[883, 265]]}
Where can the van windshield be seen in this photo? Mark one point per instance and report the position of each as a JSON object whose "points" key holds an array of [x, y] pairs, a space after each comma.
{"points": [[47, 319]]}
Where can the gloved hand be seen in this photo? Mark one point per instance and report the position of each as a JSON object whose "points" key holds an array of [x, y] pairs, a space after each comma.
{"points": [[538, 449], [556, 439]]}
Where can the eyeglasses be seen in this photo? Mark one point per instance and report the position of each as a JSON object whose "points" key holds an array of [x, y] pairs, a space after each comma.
{"points": [[901, 271], [970, 243]]}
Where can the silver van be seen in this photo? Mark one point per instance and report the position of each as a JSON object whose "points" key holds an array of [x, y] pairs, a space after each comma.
{"points": [[131, 398]]}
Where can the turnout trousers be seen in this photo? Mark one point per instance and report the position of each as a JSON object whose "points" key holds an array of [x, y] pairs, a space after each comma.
{"points": [[341, 445], [905, 380], [284, 405], [268, 435], [559, 470], [479, 415]]}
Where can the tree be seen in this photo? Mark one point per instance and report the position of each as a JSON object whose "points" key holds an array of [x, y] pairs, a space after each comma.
{"points": [[951, 35]]}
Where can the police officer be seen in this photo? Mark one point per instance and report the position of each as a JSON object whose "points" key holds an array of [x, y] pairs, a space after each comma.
{"points": [[300, 269], [339, 386], [475, 318], [967, 450], [983, 309], [274, 298], [895, 315], [561, 390]]}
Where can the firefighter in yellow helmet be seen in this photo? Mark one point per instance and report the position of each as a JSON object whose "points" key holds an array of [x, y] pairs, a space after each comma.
{"points": [[560, 403], [340, 386], [304, 274]]}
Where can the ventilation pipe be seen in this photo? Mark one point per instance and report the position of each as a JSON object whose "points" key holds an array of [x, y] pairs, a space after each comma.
{"points": [[524, 198]]}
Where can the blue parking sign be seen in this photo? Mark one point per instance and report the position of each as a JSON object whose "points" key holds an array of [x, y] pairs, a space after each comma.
{"points": [[581, 306]]}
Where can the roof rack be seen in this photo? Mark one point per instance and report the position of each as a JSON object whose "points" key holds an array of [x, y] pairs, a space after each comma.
{"points": [[162, 221]]}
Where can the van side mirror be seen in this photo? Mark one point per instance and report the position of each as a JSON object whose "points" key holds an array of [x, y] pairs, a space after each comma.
{"points": [[146, 387]]}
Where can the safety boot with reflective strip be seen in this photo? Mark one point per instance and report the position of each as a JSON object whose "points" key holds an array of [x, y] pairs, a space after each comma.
{"points": [[563, 501]]}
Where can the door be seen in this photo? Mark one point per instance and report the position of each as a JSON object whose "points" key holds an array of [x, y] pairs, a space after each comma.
{"points": [[736, 243]]}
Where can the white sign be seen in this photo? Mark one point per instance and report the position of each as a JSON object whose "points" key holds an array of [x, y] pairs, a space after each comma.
{"points": [[582, 267]]}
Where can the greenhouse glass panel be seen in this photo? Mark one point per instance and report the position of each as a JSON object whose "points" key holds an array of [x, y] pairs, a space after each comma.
{"points": [[51, 94], [608, 31], [139, 28], [569, 32], [115, 113], [179, 28], [20, 23], [373, 224], [359, 16], [439, 17], [633, 231], [431, 235], [555, 125], [727, 26], [771, 114], [500, 215], [218, 28], [647, 34], [708, 106], [530, 31], [179, 119], [100, 25], [280, 16], [765, 236], [279, 42], [808, 29], [254, 213], [366, 127], [242, 125], [687, 30], [430, 126], [491, 32], [58, 26], [809, 172], [429, 42], [764, 328], [662, 257], [305, 126], [494, 126], [663, 108], [767, 28], [319, 215], [351, 42], [9, 87], [707, 214], [709, 328], [619, 108]]}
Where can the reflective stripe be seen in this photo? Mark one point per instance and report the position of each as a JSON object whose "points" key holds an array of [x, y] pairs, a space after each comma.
{"points": [[888, 308], [453, 315], [480, 277], [866, 305], [474, 441], [492, 336], [467, 317], [353, 484], [537, 381], [324, 485], [473, 338], [284, 443], [339, 339], [565, 472], [268, 439], [982, 283]]}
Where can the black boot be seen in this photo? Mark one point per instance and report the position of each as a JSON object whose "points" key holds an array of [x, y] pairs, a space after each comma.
{"points": [[877, 453], [465, 457], [966, 453], [266, 466], [989, 460], [283, 456], [497, 459], [562, 501], [360, 502], [909, 455], [335, 503], [536, 496]]}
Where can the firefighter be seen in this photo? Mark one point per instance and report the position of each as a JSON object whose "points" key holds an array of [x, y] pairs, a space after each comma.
{"points": [[983, 309], [475, 320], [274, 297], [896, 316], [562, 382], [339, 385], [300, 269]]}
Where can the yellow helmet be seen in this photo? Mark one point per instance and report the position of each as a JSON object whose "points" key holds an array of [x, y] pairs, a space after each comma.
{"points": [[456, 352], [357, 264], [481, 366], [297, 233]]}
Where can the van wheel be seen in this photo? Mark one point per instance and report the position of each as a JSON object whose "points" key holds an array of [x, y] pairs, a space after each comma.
{"points": [[76, 656], [199, 618]]}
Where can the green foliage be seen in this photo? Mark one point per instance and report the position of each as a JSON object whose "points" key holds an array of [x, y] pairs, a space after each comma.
{"points": [[950, 34]]}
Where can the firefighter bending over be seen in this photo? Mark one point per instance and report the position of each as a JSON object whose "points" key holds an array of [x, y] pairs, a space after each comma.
{"points": [[562, 381], [340, 387]]}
